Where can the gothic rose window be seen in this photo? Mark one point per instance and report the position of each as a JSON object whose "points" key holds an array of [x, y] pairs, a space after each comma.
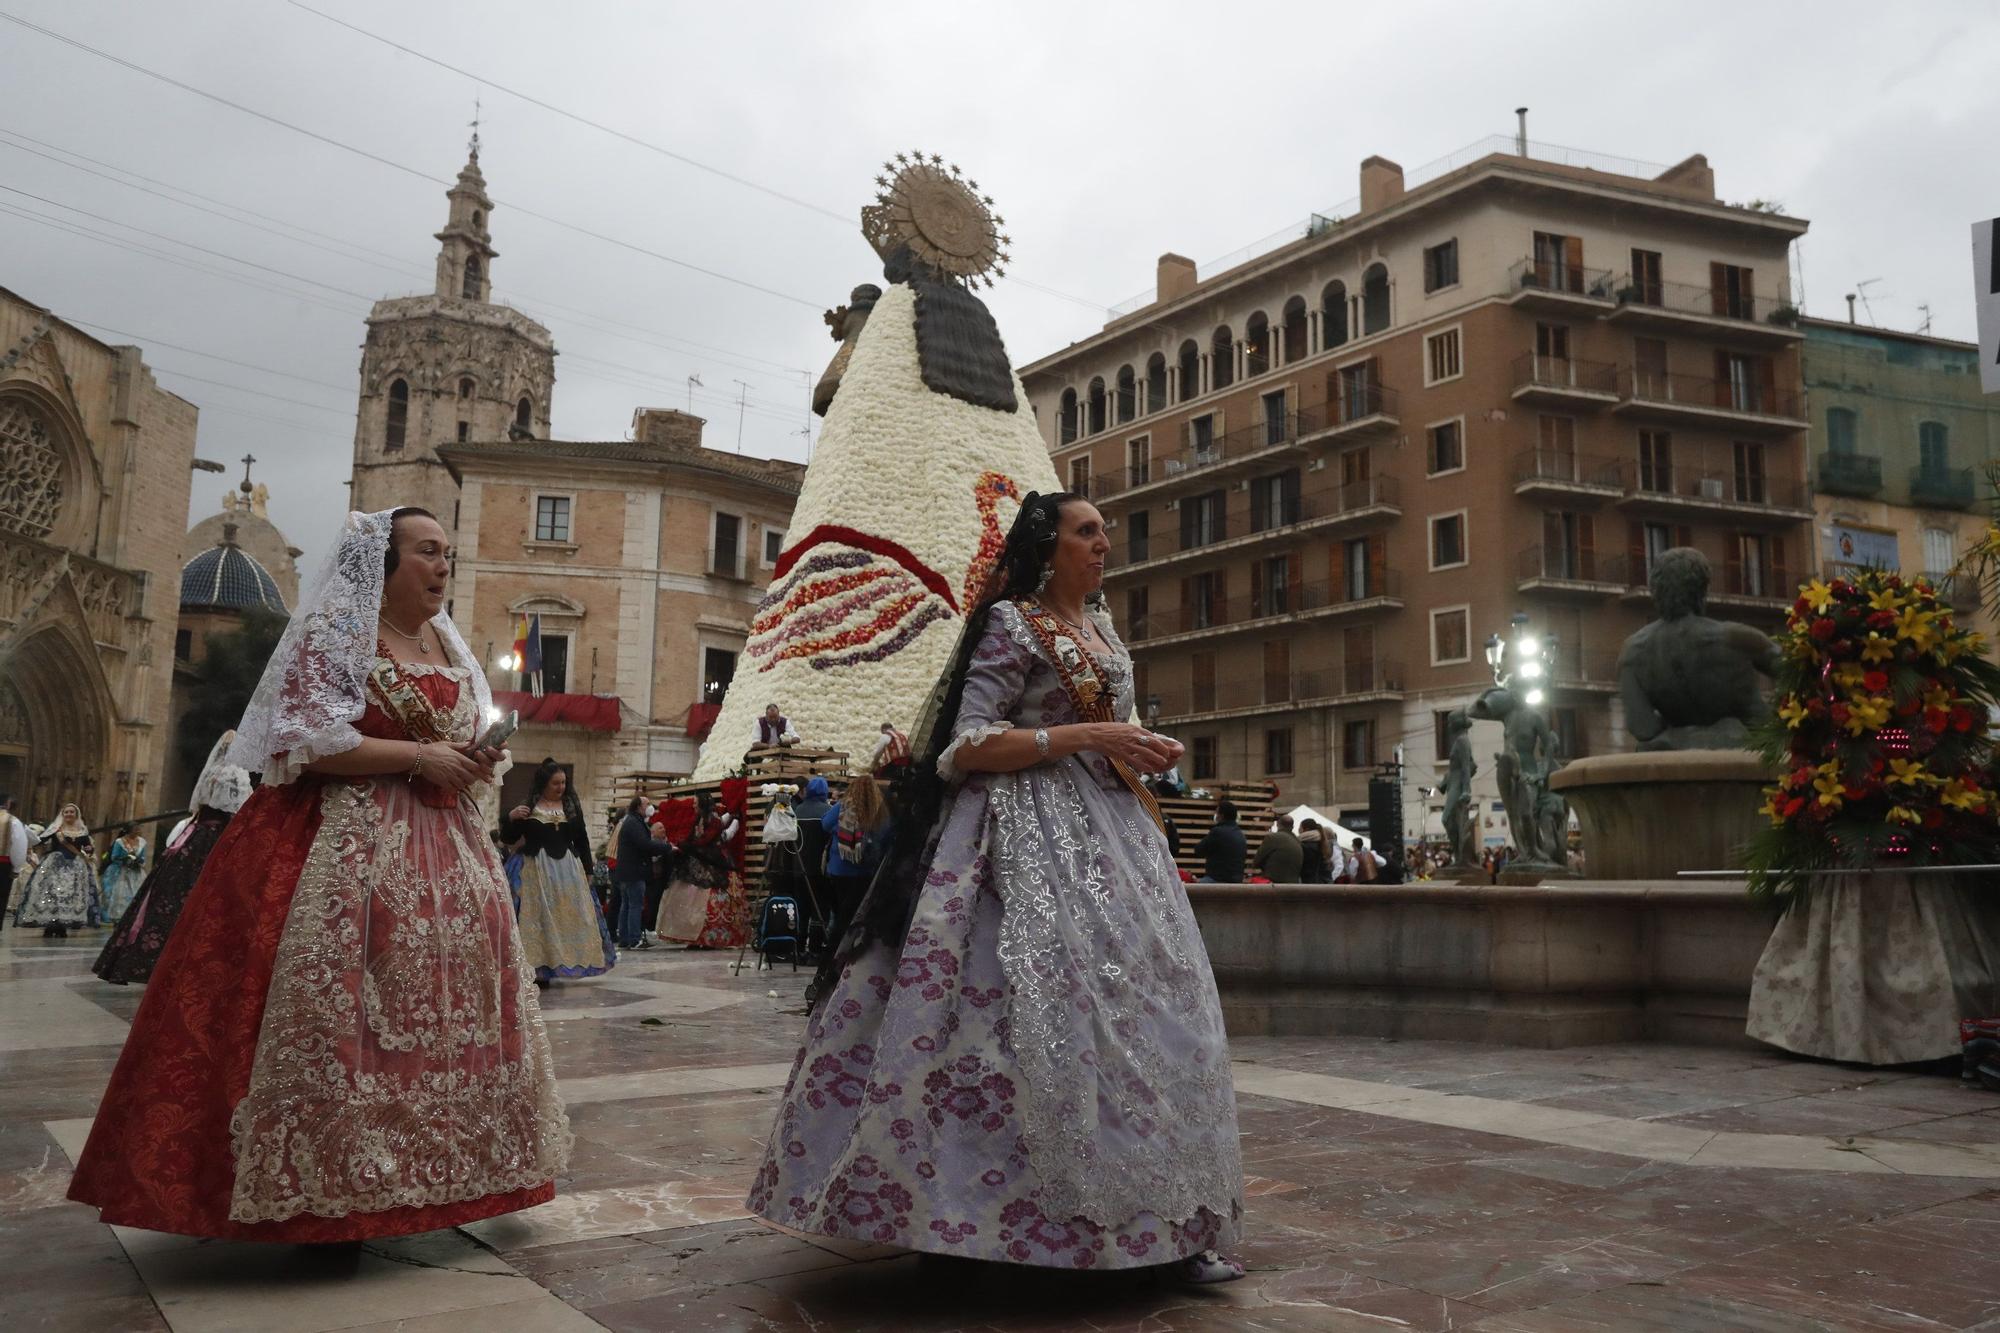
{"points": [[31, 488]]}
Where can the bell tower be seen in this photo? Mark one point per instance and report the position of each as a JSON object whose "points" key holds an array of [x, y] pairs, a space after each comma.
{"points": [[453, 365]]}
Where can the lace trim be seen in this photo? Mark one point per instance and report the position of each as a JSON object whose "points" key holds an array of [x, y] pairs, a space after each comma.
{"points": [[402, 1060], [948, 770], [1104, 961]]}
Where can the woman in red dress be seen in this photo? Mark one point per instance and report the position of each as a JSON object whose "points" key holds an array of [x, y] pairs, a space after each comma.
{"points": [[340, 1041]]}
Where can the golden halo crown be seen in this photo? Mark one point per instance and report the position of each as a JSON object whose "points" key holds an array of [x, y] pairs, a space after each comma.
{"points": [[929, 206]]}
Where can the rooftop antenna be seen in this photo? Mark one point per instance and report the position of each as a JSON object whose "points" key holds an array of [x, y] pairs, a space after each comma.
{"points": [[1925, 327], [694, 382], [1861, 290], [742, 397]]}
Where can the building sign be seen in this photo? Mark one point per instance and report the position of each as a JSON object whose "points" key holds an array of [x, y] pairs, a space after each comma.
{"points": [[1986, 297], [1863, 548]]}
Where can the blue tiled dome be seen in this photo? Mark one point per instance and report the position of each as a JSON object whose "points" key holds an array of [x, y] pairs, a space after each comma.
{"points": [[227, 576]]}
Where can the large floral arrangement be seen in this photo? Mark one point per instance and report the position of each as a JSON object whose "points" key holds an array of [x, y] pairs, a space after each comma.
{"points": [[1880, 732]]}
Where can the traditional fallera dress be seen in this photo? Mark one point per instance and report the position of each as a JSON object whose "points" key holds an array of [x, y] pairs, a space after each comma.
{"points": [[1039, 1074], [706, 905], [562, 932], [63, 891], [341, 1040], [123, 874]]}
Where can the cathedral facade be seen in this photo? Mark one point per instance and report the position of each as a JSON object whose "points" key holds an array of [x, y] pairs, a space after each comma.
{"points": [[448, 367], [94, 486]]}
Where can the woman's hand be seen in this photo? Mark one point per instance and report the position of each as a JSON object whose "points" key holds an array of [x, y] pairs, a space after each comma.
{"points": [[1137, 747], [519, 812], [451, 768]]}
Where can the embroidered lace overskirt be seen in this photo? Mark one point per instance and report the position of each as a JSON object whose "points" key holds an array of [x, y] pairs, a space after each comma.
{"points": [[1039, 1074], [62, 891]]}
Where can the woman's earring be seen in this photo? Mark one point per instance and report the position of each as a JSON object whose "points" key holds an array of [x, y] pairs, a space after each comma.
{"points": [[1048, 572]]}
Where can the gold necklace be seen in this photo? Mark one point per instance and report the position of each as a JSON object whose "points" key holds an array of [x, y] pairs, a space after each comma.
{"points": [[423, 644], [1085, 630]]}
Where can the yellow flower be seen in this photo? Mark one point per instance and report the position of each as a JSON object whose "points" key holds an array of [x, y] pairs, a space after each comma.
{"points": [[1902, 814], [1939, 698], [1793, 712], [1848, 675], [1875, 648], [1866, 714], [1962, 795], [1770, 806], [1818, 596], [1829, 786], [1916, 625], [1885, 599]]}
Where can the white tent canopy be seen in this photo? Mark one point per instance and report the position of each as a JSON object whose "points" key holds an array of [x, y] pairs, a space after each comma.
{"points": [[1340, 830]]}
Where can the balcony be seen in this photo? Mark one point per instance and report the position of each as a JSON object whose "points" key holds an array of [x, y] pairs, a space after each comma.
{"points": [[1958, 591], [1586, 673], [1562, 381], [1265, 441], [1293, 606], [1698, 400], [1941, 488], [1690, 489], [1569, 572], [1322, 511], [1365, 412], [1759, 593], [1843, 473], [1367, 681], [1680, 307], [1556, 474], [1550, 287]]}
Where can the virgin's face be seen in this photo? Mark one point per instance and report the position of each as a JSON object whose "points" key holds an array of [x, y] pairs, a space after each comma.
{"points": [[558, 784], [423, 566], [70, 815], [1081, 547]]}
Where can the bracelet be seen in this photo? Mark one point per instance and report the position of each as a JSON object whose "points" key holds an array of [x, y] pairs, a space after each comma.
{"points": [[1042, 741], [417, 768]]}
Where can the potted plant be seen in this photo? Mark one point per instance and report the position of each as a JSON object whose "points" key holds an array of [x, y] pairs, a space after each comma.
{"points": [[1786, 314]]}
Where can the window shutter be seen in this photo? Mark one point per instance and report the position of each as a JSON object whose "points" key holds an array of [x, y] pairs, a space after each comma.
{"points": [[1733, 564], [1586, 545], [1187, 603], [1221, 616], [1573, 261], [1258, 573], [1781, 579], [1635, 552], [1378, 565], [1722, 382], [1220, 499], [1190, 507], [1718, 289], [1295, 574], [1336, 574], [1552, 542], [1767, 385]]}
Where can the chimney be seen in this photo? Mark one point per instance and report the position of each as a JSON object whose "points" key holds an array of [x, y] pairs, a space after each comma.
{"points": [[667, 426], [1381, 183], [1521, 134], [1176, 277], [1850, 307]]}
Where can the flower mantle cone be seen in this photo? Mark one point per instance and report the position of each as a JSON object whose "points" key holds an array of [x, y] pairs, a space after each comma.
{"points": [[903, 511]]}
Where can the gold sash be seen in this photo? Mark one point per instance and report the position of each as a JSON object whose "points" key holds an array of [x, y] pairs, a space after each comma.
{"points": [[419, 718], [1093, 703]]}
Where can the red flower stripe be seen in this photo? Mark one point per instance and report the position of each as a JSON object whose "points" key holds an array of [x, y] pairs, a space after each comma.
{"points": [[882, 546], [855, 635]]}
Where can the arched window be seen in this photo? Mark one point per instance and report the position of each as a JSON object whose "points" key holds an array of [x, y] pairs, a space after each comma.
{"points": [[1257, 345], [1333, 315], [1933, 447], [1840, 422], [465, 386], [1295, 329], [478, 219], [470, 291], [1128, 394], [1156, 382], [399, 416], [1094, 407], [1066, 418], [1222, 359], [1375, 299], [524, 413]]}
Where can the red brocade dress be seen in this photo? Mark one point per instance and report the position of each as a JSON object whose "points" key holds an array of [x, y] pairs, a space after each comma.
{"points": [[340, 1041]]}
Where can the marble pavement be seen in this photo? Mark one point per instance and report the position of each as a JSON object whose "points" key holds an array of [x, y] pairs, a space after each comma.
{"points": [[1401, 1185]]}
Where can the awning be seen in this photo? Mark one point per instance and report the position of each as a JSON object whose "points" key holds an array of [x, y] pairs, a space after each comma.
{"points": [[595, 712]]}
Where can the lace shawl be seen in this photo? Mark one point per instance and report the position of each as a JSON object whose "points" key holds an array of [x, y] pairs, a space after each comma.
{"points": [[314, 688], [222, 784]]}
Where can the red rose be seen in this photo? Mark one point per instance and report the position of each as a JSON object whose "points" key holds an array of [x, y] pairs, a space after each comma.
{"points": [[1909, 706], [1882, 620], [1876, 681], [1839, 714], [1822, 629], [1961, 719]]}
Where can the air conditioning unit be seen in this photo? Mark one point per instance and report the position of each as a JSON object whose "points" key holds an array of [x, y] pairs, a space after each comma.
{"points": [[1243, 485], [1173, 506], [1110, 525], [1711, 488], [1317, 465]]}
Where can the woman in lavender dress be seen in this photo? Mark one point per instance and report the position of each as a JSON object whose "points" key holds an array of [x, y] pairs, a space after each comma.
{"points": [[1023, 1057]]}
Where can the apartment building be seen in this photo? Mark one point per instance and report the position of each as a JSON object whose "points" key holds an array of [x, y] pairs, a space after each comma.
{"points": [[1903, 443], [1336, 467]]}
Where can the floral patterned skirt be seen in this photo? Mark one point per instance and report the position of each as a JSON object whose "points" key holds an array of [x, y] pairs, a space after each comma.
{"points": [[709, 911]]}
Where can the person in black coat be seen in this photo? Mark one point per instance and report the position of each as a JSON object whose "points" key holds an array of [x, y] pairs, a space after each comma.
{"points": [[1223, 848], [633, 873]]}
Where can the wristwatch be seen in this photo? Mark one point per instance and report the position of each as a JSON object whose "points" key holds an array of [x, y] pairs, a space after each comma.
{"points": [[1042, 742]]}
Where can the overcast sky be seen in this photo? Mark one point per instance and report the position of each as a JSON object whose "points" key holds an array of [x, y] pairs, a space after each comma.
{"points": [[1107, 134]]}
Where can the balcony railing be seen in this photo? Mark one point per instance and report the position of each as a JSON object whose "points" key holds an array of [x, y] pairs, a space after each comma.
{"points": [[1573, 667], [1356, 403], [1559, 467], [1548, 275], [1959, 591], [1231, 447], [1716, 302], [1843, 473], [1571, 564], [1695, 485], [1300, 689], [1286, 600], [1246, 514], [1941, 488], [1705, 394], [1559, 374]]}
